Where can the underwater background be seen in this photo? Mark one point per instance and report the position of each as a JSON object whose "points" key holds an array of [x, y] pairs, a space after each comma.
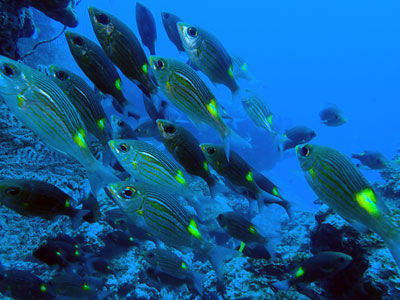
{"points": [[302, 57]]}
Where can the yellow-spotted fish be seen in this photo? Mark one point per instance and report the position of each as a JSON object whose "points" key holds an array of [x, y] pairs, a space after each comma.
{"points": [[187, 91], [165, 218], [339, 184], [44, 108]]}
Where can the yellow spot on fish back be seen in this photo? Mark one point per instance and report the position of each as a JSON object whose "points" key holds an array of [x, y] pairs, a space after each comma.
{"points": [[117, 84], [179, 177], [312, 173], [43, 288], [183, 266], [205, 166], [79, 138], [20, 99], [275, 191], [299, 272], [193, 230], [230, 71], [249, 177], [76, 253], [269, 119], [242, 246], [367, 200], [101, 123], [252, 230], [67, 204], [212, 108], [145, 68], [140, 212], [86, 287]]}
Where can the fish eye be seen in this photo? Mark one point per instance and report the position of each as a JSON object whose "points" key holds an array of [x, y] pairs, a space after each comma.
{"points": [[166, 15], [13, 191], [169, 129], [128, 192], [8, 70], [123, 147], [160, 64], [313, 134], [151, 255], [78, 41], [61, 75], [304, 151], [103, 19], [192, 31], [120, 123], [211, 150]]}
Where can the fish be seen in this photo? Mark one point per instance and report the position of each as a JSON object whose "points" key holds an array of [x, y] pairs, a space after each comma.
{"points": [[162, 214], [97, 67], [62, 11], [339, 184], [153, 110], [332, 116], [258, 111], [116, 243], [33, 198], [43, 107], [242, 229], [240, 68], [184, 147], [61, 253], [86, 102], [145, 162], [187, 91], [208, 54], [317, 267], [121, 129], [91, 204], [147, 27], [24, 285], [238, 172], [147, 129], [298, 135], [100, 265], [372, 159], [123, 48], [164, 261], [170, 22]]}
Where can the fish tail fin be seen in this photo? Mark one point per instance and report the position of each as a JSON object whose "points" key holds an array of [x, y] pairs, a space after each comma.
{"points": [[230, 136], [77, 217], [268, 198], [100, 176], [282, 285], [198, 280], [270, 247], [217, 256], [130, 111]]}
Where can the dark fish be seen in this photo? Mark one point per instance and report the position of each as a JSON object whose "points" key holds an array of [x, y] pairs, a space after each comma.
{"points": [[372, 159], [318, 267], [170, 22], [163, 215], [100, 265], [86, 102], [298, 135], [146, 26], [62, 11], [123, 48], [32, 198], [23, 285], [168, 262], [97, 66], [43, 107], [332, 116], [187, 91], [91, 204], [256, 251], [340, 185], [242, 229], [61, 253], [240, 174], [147, 129], [117, 243], [184, 147], [152, 110], [121, 129], [208, 54]]}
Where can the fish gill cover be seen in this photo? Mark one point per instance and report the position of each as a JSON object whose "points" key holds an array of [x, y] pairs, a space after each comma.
{"points": [[268, 165]]}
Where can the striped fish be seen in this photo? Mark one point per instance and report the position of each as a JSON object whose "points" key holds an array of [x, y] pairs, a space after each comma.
{"points": [[97, 66], [208, 54], [187, 91], [238, 172], [146, 163], [164, 217], [43, 107], [86, 102], [240, 68], [166, 261], [258, 111], [338, 183], [123, 47]]}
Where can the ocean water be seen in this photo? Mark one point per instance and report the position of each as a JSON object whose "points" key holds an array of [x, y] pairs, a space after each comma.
{"points": [[302, 57]]}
